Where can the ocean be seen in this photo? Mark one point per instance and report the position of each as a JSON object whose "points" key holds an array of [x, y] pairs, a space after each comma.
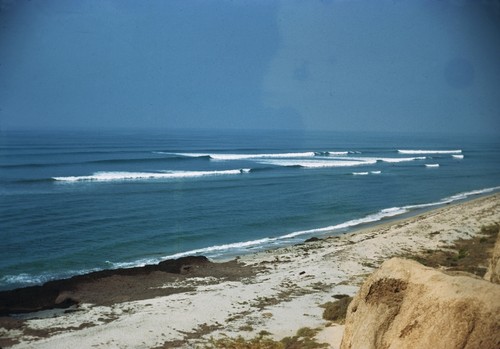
{"points": [[75, 202]]}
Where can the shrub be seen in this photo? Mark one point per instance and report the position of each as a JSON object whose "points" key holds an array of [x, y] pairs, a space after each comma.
{"points": [[336, 311]]}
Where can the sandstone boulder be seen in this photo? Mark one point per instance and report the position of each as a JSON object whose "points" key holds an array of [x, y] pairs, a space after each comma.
{"points": [[406, 305], [493, 272]]}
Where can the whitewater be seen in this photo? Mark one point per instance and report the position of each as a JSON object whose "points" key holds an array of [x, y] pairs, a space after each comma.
{"points": [[72, 203]]}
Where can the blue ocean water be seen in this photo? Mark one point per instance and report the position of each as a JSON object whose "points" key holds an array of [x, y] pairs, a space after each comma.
{"points": [[74, 202]]}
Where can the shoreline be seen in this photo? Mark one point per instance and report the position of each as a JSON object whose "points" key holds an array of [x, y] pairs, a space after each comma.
{"points": [[277, 290], [386, 215]]}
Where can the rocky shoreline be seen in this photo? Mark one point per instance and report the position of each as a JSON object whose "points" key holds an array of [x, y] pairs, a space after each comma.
{"points": [[108, 287]]}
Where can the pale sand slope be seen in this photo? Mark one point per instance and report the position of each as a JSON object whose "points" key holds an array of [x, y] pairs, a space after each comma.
{"points": [[281, 299]]}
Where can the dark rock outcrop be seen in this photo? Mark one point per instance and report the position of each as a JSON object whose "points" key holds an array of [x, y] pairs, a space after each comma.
{"points": [[67, 292]]}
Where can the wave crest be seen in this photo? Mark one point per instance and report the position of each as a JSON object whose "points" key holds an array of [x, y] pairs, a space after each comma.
{"points": [[318, 163], [125, 176], [225, 157], [420, 151]]}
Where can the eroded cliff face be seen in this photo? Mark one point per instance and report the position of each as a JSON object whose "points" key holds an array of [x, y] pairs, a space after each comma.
{"points": [[493, 272], [406, 305]]}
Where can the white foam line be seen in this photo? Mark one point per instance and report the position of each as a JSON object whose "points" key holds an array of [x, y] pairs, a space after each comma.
{"points": [[24, 279], [431, 165], [456, 197], [366, 173], [331, 153], [124, 176], [337, 153], [458, 156], [317, 163], [226, 157], [383, 159], [392, 160], [419, 151], [219, 248], [385, 213], [465, 195], [389, 212]]}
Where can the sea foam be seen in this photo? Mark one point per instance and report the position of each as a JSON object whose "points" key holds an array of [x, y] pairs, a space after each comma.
{"points": [[241, 247], [317, 163], [125, 176], [382, 159], [215, 251], [371, 218], [226, 157], [403, 151], [465, 195], [456, 197], [25, 279], [331, 153], [396, 160]]}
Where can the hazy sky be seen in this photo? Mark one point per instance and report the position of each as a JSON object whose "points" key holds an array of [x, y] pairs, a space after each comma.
{"points": [[428, 65]]}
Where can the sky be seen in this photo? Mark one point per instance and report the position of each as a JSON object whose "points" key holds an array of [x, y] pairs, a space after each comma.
{"points": [[364, 65]]}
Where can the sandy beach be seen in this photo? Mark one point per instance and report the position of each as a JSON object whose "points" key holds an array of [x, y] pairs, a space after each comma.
{"points": [[279, 291]]}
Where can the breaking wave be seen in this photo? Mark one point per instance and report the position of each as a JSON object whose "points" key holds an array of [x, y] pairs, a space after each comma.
{"points": [[332, 153], [215, 251], [396, 160], [382, 159], [403, 151], [25, 279], [318, 163], [182, 155], [465, 195], [366, 173], [301, 159], [125, 176], [216, 156]]}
